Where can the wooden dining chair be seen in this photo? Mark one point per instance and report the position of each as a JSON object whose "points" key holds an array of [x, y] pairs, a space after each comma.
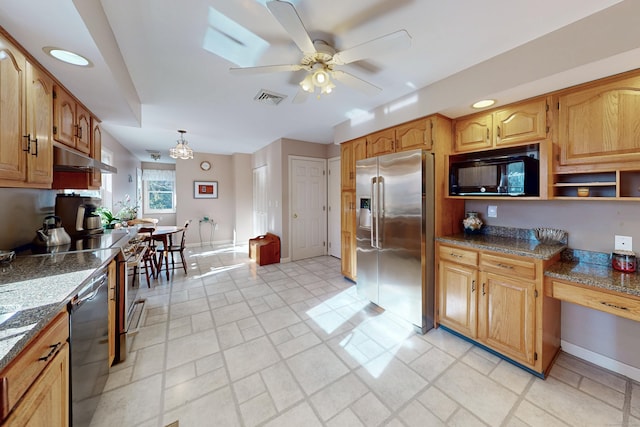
{"points": [[179, 249], [148, 260]]}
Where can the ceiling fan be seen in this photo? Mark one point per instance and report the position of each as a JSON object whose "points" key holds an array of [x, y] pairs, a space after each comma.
{"points": [[320, 58]]}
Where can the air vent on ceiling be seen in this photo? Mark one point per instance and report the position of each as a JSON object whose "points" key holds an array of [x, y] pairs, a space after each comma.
{"points": [[270, 98]]}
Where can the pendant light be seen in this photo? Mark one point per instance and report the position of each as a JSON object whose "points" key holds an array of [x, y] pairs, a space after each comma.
{"points": [[182, 149]]}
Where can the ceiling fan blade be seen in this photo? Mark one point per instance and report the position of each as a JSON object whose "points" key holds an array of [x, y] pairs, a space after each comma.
{"points": [[286, 14], [355, 82], [266, 69], [300, 97], [376, 47]]}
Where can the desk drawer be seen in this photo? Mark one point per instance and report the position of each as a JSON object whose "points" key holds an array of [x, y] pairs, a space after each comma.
{"points": [[456, 254], [520, 268], [618, 305]]}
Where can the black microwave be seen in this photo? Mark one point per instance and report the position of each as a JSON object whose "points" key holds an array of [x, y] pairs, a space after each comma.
{"points": [[499, 176]]}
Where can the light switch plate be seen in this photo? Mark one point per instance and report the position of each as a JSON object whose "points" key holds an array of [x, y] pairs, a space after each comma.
{"points": [[492, 211], [623, 243]]}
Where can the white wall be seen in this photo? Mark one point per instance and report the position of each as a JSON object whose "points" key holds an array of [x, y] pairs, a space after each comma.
{"points": [[243, 190]]}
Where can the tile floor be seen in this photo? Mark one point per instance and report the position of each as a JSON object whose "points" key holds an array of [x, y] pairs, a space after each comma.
{"points": [[235, 344]]}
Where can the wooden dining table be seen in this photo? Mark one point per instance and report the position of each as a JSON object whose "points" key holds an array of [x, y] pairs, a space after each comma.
{"points": [[164, 234]]}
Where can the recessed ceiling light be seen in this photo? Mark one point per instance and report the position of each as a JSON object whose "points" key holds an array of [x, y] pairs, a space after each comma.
{"points": [[67, 56], [484, 103]]}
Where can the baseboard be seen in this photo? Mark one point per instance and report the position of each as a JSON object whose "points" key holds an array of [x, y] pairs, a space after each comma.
{"points": [[214, 243], [600, 360]]}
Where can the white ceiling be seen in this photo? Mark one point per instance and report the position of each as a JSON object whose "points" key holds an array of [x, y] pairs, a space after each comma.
{"points": [[151, 75]]}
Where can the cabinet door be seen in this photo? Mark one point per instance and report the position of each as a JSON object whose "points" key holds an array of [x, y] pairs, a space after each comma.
{"points": [[474, 133], [380, 143], [12, 120], [360, 149], [64, 117], [96, 152], [348, 255], [47, 401], [348, 247], [601, 124], [413, 135], [457, 297], [506, 316], [39, 114], [521, 123], [348, 166], [83, 130]]}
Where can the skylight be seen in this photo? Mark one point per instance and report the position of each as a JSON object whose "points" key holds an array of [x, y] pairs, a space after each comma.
{"points": [[231, 41]]}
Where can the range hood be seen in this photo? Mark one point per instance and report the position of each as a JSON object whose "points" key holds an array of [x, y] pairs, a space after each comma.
{"points": [[66, 160]]}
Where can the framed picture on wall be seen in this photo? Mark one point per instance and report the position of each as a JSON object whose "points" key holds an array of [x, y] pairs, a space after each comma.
{"points": [[205, 189]]}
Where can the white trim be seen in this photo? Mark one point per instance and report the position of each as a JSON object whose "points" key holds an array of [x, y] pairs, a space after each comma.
{"points": [[600, 360]]}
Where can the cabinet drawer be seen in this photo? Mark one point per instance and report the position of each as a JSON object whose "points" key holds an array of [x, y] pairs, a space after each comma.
{"points": [[515, 267], [461, 256], [18, 376], [618, 305]]}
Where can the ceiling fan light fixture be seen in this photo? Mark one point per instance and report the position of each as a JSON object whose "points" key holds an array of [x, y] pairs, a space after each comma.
{"points": [[307, 84], [182, 149]]}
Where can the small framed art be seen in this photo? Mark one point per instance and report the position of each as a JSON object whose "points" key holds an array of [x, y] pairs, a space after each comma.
{"points": [[205, 189]]}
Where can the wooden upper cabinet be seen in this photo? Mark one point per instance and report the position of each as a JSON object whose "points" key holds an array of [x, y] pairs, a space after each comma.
{"points": [[516, 125], [600, 124], [360, 148], [12, 116], [382, 142], [414, 135], [473, 133], [84, 129], [521, 123], [39, 128], [96, 152], [71, 122], [347, 166]]}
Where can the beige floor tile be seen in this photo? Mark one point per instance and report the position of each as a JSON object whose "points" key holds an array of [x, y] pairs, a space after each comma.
{"points": [[191, 347], [191, 390], [438, 403], [416, 415], [571, 405], [301, 415], [250, 357], [149, 336], [149, 361], [565, 375], [217, 407], [609, 379], [248, 388], [464, 418], [257, 410], [278, 319], [345, 418], [283, 388], [433, 363], [634, 422], [391, 380], [316, 367], [370, 410], [512, 377], [179, 374], [536, 417], [599, 391], [338, 396], [448, 342], [231, 313], [635, 399], [298, 344], [472, 390]]}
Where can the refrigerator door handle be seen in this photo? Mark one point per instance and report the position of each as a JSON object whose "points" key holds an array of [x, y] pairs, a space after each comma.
{"points": [[374, 212], [380, 217]]}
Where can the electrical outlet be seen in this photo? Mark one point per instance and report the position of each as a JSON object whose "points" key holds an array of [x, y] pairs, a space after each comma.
{"points": [[492, 211], [623, 243]]}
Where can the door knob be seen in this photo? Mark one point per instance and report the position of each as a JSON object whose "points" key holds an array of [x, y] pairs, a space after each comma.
{"points": [[295, 215]]}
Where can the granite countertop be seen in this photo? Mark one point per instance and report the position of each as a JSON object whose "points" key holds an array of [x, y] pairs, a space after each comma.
{"points": [[594, 269], [514, 245], [35, 288]]}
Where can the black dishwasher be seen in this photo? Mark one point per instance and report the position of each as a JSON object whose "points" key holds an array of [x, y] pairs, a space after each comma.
{"points": [[89, 347]]}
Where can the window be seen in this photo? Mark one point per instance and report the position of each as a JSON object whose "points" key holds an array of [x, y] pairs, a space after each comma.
{"points": [[159, 190]]}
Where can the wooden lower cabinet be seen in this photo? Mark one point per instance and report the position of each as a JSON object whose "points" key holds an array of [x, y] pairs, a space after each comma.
{"points": [[497, 300], [35, 384], [47, 401]]}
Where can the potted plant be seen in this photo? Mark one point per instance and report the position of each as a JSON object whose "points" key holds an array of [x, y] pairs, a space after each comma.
{"points": [[108, 219]]}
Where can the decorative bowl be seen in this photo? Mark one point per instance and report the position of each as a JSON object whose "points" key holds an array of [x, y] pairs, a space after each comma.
{"points": [[550, 236]]}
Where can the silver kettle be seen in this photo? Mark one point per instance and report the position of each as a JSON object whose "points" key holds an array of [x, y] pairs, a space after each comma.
{"points": [[52, 234]]}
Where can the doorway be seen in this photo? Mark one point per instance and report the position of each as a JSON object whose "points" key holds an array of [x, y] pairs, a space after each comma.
{"points": [[307, 213], [333, 212]]}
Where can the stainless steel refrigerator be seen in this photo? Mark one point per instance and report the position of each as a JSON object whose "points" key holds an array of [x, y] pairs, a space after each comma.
{"points": [[395, 227]]}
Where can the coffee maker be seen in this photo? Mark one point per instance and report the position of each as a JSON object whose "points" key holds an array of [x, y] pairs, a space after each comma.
{"points": [[78, 214]]}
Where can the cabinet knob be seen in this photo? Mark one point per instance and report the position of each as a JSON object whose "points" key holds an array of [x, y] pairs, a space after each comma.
{"points": [[483, 292], [473, 286]]}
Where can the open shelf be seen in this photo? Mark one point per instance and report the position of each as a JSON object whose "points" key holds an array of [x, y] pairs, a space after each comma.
{"points": [[608, 185]]}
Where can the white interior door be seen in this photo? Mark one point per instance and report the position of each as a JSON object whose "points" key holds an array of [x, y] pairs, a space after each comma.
{"points": [[260, 208], [308, 214], [333, 211]]}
